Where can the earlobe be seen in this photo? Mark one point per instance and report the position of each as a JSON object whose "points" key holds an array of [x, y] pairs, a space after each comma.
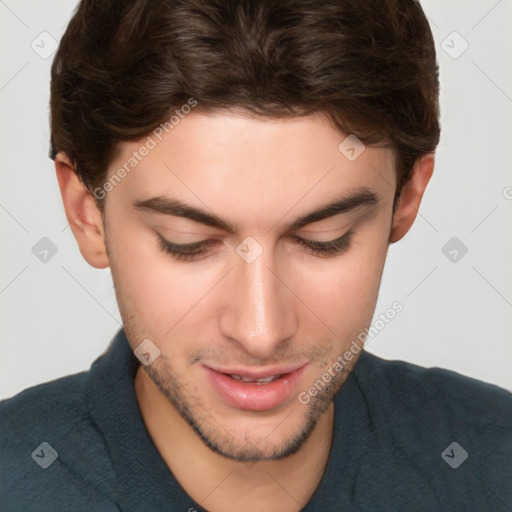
{"points": [[411, 196], [82, 213]]}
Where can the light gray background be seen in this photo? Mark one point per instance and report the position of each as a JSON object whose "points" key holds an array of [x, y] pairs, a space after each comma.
{"points": [[58, 316]]}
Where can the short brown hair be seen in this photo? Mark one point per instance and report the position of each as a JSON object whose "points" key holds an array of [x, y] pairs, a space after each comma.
{"points": [[124, 65]]}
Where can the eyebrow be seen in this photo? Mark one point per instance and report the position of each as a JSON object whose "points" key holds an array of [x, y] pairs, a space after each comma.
{"points": [[174, 207]]}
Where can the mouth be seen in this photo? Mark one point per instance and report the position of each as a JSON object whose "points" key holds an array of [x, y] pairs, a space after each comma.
{"points": [[255, 390], [258, 382]]}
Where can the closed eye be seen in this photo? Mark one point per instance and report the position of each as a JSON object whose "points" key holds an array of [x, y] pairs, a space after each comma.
{"points": [[330, 248], [188, 252]]}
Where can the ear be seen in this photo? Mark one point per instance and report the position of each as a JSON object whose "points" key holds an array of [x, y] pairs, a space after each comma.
{"points": [[83, 214], [410, 197]]}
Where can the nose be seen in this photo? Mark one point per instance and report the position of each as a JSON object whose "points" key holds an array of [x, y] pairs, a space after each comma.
{"points": [[259, 311]]}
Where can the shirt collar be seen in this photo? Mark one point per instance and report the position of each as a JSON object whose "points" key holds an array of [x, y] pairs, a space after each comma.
{"points": [[144, 480]]}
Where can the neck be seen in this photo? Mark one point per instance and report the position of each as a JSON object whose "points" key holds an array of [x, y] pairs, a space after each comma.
{"points": [[220, 484]]}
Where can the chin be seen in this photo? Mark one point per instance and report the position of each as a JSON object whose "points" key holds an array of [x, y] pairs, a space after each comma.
{"points": [[256, 439]]}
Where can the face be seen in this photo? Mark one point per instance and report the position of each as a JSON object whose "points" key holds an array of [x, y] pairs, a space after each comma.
{"points": [[224, 256]]}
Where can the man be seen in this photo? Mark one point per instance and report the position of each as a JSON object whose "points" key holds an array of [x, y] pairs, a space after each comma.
{"points": [[242, 167]]}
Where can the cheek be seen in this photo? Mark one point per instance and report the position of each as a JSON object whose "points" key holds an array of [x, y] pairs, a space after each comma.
{"points": [[150, 287], [344, 290]]}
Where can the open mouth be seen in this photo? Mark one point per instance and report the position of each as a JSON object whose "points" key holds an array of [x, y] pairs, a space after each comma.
{"points": [[254, 391], [258, 382]]}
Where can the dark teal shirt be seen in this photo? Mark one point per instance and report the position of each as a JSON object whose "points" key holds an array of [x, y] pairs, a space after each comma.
{"points": [[405, 439]]}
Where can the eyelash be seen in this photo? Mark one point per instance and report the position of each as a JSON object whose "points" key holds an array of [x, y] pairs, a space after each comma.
{"points": [[187, 252]]}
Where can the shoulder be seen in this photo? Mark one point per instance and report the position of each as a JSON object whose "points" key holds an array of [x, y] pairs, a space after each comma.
{"points": [[50, 402], [451, 432], [51, 451], [445, 392]]}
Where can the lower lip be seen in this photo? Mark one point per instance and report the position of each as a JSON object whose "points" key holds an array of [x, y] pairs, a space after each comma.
{"points": [[254, 397]]}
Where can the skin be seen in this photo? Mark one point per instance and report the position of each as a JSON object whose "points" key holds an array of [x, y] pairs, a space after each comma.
{"points": [[289, 305]]}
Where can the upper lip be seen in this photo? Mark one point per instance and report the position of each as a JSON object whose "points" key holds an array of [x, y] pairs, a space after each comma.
{"points": [[252, 373]]}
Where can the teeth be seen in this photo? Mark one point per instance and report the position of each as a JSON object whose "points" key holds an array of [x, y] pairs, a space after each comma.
{"points": [[256, 381]]}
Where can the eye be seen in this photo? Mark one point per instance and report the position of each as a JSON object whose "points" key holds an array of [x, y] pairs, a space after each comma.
{"points": [[184, 252], [331, 248], [189, 252]]}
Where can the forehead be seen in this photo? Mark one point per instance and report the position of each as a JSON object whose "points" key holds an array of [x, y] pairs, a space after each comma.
{"points": [[256, 163]]}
